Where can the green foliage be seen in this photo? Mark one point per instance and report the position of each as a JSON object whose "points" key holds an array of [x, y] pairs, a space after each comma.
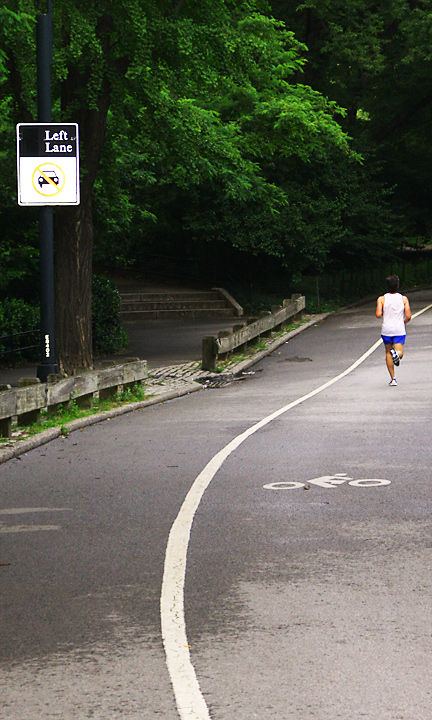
{"points": [[18, 267], [22, 320], [297, 131], [68, 411], [374, 59], [214, 105], [17, 316], [108, 333], [133, 394]]}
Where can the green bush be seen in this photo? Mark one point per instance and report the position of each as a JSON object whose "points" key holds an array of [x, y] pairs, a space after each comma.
{"points": [[21, 320], [108, 333]]}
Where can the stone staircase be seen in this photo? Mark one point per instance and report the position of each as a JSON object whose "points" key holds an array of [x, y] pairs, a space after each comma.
{"points": [[174, 304]]}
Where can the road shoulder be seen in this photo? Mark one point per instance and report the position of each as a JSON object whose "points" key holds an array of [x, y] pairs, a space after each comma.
{"points": [[164, 384]]}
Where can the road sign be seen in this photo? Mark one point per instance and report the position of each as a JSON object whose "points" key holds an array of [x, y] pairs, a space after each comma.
{"points": [[48, 164]]}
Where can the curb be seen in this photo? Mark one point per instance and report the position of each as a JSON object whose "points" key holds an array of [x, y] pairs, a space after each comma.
{"points": [[24, 446]]}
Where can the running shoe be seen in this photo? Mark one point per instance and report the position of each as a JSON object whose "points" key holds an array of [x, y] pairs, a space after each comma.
{"points": [[395, 356], [393, 382]]}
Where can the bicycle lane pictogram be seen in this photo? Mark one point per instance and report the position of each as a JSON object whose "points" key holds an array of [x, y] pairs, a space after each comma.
{"points": [[329, 482]]}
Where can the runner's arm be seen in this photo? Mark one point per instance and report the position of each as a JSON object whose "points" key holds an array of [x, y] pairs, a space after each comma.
{"points": [[407, 309], [379, 307]]}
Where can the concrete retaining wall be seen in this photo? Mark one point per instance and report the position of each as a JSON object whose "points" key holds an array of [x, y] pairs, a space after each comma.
{"points": [[25, 402], [214, 347]]}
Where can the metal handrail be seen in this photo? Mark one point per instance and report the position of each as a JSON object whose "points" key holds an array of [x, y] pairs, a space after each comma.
{"points": [[24, 332], [18, 349]]}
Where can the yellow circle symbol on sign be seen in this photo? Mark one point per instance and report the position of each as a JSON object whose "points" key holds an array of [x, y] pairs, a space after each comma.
{"points": [[48, 179]]}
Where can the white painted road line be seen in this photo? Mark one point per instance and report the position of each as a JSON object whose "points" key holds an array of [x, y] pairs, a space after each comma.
{"points": [[420, 312], [190, 701], [5, 529], [25, 511]]}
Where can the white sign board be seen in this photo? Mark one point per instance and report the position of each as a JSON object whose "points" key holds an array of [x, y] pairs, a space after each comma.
{"points": [[48, 164]]}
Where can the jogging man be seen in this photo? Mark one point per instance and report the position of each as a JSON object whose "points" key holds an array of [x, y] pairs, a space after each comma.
{"points": [[395, 311]]}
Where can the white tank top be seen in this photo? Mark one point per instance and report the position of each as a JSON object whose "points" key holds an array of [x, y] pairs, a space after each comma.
{"points": [[393, 316]]}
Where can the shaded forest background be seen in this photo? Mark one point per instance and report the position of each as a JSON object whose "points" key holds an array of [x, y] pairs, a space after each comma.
{"points": [[240, 143]]}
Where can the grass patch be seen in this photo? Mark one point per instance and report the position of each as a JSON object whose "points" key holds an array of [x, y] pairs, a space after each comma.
{"points": [[72, 411], [225, 364]]}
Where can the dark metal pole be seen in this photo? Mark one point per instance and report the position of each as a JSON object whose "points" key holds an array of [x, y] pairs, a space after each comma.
{"points": [[46, 224]]}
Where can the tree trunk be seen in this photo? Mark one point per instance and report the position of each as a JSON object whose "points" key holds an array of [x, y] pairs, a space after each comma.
{"points": [[73, 278], [74, 239]]}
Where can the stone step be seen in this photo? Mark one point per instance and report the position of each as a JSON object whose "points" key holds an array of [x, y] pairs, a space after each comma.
{"points": [[181, 304], [162, 314], [174, 296], [170, 304]]}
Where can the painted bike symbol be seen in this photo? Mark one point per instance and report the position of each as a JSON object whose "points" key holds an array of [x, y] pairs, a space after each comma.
{"points": [[329, 482]]}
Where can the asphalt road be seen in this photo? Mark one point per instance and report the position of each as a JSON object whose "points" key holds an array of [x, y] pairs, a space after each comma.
{"points": [[168, 342], [307, 588]]}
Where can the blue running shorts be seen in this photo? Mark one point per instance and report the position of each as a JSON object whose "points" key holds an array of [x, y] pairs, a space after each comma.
{"points": [[399, 339]]}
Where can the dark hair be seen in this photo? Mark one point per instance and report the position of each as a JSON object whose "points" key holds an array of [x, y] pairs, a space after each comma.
{"points": [[392, 283]]}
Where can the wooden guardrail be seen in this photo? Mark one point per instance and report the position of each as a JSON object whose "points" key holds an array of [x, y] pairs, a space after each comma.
{"points": [[31, 396], [214, 347]]}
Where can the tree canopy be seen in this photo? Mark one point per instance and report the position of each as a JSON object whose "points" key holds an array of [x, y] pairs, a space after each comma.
{"points": [[293, 130], [374, 58]]}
